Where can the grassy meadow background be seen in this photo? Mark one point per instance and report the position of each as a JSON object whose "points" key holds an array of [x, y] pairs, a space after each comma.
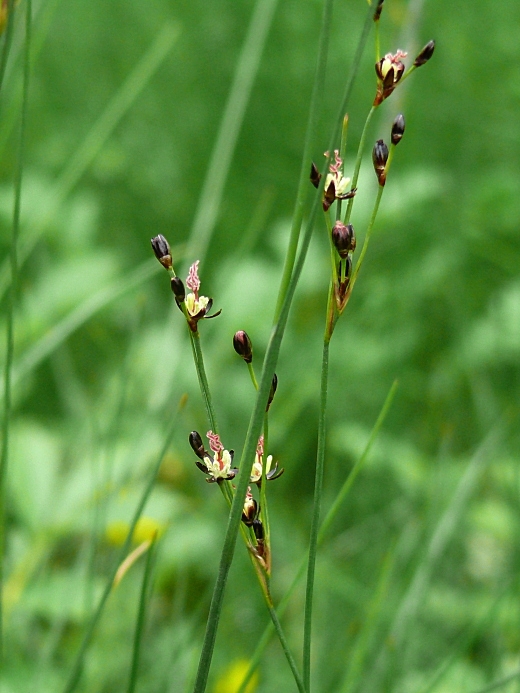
{"points": [[418, 583]]}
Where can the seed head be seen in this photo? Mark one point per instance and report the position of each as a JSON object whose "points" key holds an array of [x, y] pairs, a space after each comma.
{"points": [[343, 238], [177, 287], [196, 444], [398, 129], [242, 345], [161, 248], [380, 157], [379, 9], [425, 54]]}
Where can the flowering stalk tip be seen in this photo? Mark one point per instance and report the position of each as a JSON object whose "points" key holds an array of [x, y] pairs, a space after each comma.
{"points": [[219, 467], [389, 71], [379, 158], [197, 307], [425, 54], [161, 248], [243, 346]]}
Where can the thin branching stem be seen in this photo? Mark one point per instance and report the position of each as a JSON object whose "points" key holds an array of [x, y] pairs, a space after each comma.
{"points": [[138, 636], [359, 157], [285, 646], [318, 489], [325, 526], [310, 137], [286, 295], [203, 380]]}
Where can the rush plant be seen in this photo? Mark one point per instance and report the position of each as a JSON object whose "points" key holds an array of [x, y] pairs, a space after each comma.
{"points": [[245, 486]]}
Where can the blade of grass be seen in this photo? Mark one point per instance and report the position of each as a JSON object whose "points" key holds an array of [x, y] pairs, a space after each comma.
{"points": [[270, 360], [464, 642], [320, 453], [39, 34], [257, 417], [96, 138], [440, 538], [329, 518], [75, 673], [6, 422], [222, 155], [39, 351], [141, 616], [360, 650]]}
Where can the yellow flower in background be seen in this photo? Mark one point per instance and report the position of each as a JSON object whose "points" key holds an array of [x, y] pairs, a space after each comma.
{"points": [[230, 680], [146, 528]]}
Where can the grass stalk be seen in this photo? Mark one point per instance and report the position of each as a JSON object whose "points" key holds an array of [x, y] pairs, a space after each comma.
{"points": [[327, 522], [83, 157], [290, 658], [77, 666], [310, 138], [222, 155], [141, 617], [203, 380], [15, 229], [318, 490]]}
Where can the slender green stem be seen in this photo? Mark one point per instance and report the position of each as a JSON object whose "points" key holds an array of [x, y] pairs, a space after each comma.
{"points": [[73, 679], [286, 295], [310, 137], [252, 375], [290, 658], [370, 228], [359, 157], [318, 489], [140, 617], [203, 380], [6, 422], [327, 522], [208, 208]]}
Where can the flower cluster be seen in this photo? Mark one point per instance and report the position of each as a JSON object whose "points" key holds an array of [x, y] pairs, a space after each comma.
{"points": [[336, 183], [194, 306], [389, 71], [256, 471], [218, 466]]}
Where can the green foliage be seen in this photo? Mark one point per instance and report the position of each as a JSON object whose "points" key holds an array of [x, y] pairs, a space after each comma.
{"points": [[416, 585]]}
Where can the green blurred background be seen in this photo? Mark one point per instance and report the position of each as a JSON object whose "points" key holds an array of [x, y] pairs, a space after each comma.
{"points": [[417, 587]]}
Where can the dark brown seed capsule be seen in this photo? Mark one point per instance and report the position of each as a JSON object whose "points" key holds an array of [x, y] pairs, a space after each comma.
{"points": [[343, 238], [398, 129], [242, 345], [425, 54], [196, 444], [258, 529], [177, 287], [378, 11], [161, 248], [380, 157], [315, 175]]}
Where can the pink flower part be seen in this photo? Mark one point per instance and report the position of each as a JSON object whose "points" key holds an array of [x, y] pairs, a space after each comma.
{"points": [[214, 442], [260, 447], [193, 281], [399, 54], [335, 168]]}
